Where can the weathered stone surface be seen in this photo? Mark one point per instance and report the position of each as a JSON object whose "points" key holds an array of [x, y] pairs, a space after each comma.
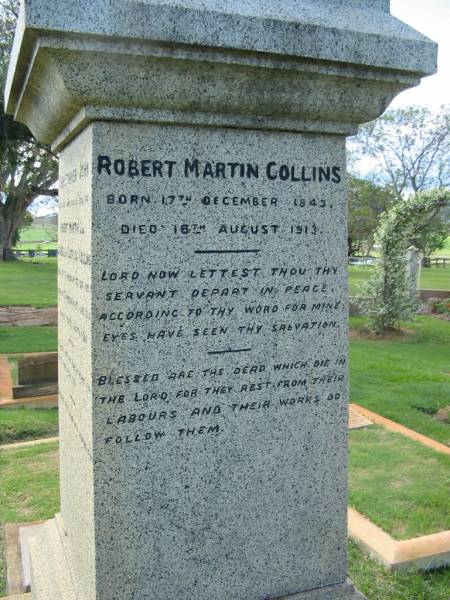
{"points": [[50, 572], [34, 390], [331, 65], [22, 316], [38, 368], [213, 435], [203, 288]]}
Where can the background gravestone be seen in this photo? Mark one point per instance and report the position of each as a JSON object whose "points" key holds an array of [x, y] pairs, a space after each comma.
{"points": [[37, 375], [203, 286]]}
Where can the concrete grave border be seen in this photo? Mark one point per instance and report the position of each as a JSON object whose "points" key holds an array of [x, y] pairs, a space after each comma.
{"points": [[426, 552], [393, 426]]}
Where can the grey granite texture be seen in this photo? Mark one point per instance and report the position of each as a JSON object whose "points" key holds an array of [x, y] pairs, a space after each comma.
{"points": [[331, 65], [203, 285], [193, 262], [75, 402], [52, 566], [229, 484]]}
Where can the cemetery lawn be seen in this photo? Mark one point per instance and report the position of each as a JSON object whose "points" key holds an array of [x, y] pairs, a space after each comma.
{"points": [[37, 246], [29, 490], [405, 378], [31, 493], [28, 282], [38, 234], [398, 483], [433, 278], [27, 424], [38, 338]]}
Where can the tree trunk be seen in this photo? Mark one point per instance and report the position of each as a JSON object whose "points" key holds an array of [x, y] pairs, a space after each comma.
{"points": [[8, 227], [2, 234]]}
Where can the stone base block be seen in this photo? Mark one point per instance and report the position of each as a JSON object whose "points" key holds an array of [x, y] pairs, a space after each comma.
{"points": [[34, 389], [50, 572], [51, 577]]}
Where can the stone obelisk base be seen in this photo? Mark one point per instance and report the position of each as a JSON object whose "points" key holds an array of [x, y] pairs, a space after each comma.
{"points": [[52, 580], [50, 573]]}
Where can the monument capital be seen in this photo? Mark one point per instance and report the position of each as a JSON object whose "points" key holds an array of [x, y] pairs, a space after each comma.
{"points": [[287, 65]]}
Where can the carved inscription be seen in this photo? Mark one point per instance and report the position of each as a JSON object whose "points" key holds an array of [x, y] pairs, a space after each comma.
{"points": [[226, 291]]}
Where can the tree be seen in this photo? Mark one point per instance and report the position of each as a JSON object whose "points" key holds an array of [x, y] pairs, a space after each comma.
{"points": [[433, 235], [388, 297], [366, 202], [26, 221], [28, 169], [409, 149]]}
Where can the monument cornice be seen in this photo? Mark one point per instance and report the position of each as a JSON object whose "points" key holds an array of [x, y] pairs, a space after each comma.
{"points": [[249, 67]]}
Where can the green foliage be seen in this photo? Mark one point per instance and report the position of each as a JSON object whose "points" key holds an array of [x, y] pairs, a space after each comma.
{"points": [[28, 169], [440, 306], [366, 202], [30, 492], [9, 10], [29, 489], [388, 297], [434, 233], [27, 220]]}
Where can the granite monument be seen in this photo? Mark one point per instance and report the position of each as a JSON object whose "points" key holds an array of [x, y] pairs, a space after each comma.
{"points": [[203, 285]]}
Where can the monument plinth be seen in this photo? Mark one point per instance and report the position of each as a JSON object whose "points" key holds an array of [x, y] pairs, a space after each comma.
{"points": [[203, 286]]}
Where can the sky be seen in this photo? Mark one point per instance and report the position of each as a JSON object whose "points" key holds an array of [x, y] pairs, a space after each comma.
{"points": [[432, 18]]}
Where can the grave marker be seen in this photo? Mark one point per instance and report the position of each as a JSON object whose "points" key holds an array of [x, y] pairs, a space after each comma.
{"points": [[203, 286]]}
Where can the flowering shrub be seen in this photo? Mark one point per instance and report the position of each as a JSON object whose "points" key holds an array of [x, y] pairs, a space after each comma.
{"points": [[387, 294]]}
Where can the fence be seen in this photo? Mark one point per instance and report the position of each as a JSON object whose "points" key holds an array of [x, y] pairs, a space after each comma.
{"points": [[35, 253], [438, 261]]}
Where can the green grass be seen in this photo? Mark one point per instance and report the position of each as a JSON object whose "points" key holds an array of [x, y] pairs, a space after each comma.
{"points": [[399, 484], [40, 338], [27, 424], [372, 580], [36, 245], [28, 282], [435, 278], [29, 489], [430, 278], [38, 234], [407, 378], [31, 493]]}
